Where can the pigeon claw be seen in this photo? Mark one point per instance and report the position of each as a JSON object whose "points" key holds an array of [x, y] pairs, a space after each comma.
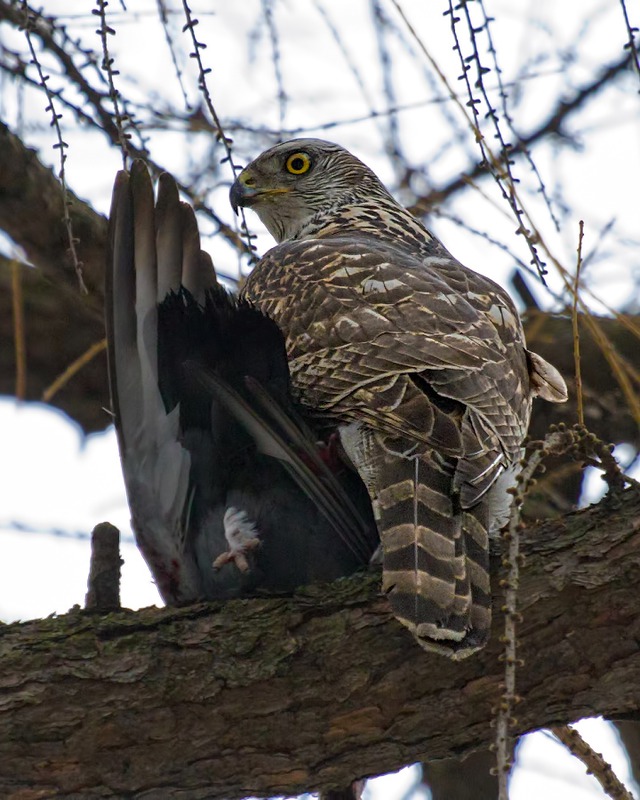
{"points": [[242, 537]]}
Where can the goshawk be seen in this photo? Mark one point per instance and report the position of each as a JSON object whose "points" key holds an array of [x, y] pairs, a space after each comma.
{"points": [[418, 361]]}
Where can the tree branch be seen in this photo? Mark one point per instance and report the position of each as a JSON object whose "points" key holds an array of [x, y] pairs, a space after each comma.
{"points": [[271, 696], [31, 212], [552, 126]]}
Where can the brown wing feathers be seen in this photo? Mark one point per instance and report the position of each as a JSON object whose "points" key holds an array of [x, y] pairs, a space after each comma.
{"points": [[413, 440]]}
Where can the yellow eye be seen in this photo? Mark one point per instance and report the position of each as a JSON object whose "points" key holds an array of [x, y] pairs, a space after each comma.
{"points": [[298, 163]]}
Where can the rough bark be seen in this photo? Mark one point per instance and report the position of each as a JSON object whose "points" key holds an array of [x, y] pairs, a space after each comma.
{"points": [[103, 586], [273, 696]]}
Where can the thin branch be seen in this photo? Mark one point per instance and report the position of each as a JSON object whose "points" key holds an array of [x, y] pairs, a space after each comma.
{"points": [[500, 166], [594, 762], [502, 91], [393, 143], [164, 20], [17, 70], [105, 123], [553, 125], [624, 372], [29, 25], [357, 76], [631, 44], [63, 54], [227, 142], [531, 233], [73, 368], [556, 442], [267, 10], [107, 66]]}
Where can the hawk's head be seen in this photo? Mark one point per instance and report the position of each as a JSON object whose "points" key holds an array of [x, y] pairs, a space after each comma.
{"points": [[302, 181]]}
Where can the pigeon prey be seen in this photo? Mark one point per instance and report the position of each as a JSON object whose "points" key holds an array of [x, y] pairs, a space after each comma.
{"points": [[230, 491]]}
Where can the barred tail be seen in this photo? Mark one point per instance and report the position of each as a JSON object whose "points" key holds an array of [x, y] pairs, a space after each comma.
{"points": [[435, 555]]}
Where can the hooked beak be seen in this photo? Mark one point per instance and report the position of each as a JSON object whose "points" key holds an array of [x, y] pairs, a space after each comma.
{"points": [[242, 195]]}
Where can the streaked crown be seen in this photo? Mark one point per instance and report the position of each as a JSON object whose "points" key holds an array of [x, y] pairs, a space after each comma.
{"points": [[296, 185]]}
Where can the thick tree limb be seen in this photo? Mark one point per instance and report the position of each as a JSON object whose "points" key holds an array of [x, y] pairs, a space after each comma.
{"points": [[280, 695], [31, 212]]}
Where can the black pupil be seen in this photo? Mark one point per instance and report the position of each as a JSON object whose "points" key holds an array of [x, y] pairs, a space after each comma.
{"points": [[297, 164]]}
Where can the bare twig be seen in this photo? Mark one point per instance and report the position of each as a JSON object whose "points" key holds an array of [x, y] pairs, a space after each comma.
{"points": [[107, 66], [502, 91], [631, 44], [499, 166], [29, 24], [553, 125], [267, 10], [357, 76], [64, 53], [72, 369], [104, 119], [594, 762], [393, 141], [164, 19], [590, 450], [492, 162], [559, 440], [511, 562], [227, 142]]}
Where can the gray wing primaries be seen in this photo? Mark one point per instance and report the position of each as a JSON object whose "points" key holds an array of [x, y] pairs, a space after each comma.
{"points": [[155, 465], [180, 259]]}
